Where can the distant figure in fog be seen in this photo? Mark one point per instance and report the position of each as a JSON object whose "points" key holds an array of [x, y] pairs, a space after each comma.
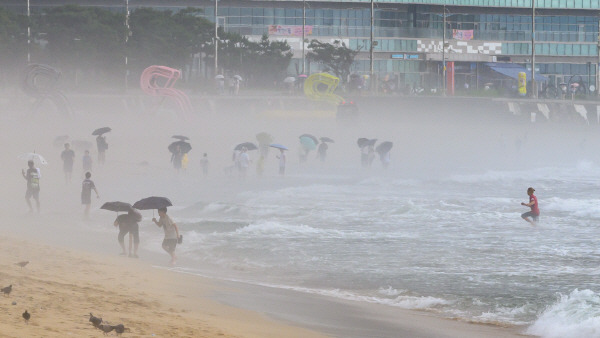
{"points": [[86, 193], [102, 147], [281, 158], [364, 156], [32, 176], [184, 161], [385, 159], [534, 213], [370, 155], [176, 158], [68, 156], [244, 162], [260, 166], [87, 162], [171, 233], [204, 164], [322, 151]]}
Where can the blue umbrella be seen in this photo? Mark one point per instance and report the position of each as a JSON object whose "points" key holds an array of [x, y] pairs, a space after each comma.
{"points": [[308, 143], [278, 146]]}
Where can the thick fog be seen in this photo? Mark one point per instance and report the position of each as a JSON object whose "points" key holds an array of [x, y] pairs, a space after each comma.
{"points": [[433, 138]]}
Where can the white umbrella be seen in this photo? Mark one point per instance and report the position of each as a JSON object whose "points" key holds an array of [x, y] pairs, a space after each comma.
{"points": [[218, 77], [289, 79], [238, 77], [33, 156]]}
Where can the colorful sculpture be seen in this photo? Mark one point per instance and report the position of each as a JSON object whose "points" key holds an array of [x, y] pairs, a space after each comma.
{"points": [[159, 81], [40, 83], [320, 87]]}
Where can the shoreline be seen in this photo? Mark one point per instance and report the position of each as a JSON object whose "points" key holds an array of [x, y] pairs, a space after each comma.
{"points": [[224, 308]]}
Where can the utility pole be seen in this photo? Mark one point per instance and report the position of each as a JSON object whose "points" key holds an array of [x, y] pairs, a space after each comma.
{"points": [[598, 63], [216, 39], [533, 84], [126, 40], [444, 52], [28, 34], [371, 50], [303, 30]]}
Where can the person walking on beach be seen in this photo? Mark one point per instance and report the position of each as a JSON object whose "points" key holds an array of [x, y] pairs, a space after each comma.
{"points": [[176, 158], [534, 213], [171, 233], [128, 223], [281, 158], [87, 162], [68, 155], [102, 146], [244, 160], [385, 159], [32, 176], [86, 193], [322, 151], [204, 164]]}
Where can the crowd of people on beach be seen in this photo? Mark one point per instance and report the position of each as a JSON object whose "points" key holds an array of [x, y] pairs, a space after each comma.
{"points": [[128, 223]]}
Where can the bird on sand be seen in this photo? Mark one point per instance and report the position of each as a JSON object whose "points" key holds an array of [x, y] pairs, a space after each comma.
{"points": [[96, 321], [7, 290], [22, 264], [119, 329], [106, 328], [26, 316]]}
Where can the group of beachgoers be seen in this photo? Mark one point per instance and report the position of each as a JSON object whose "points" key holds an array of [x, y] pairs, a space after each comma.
{"points": [[128, 223]]}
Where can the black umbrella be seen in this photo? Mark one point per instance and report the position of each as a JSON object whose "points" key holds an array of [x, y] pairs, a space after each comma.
{"points": [[326, 139], [184, 147], [247, 145], [153, 202], [362, 142], [384, 147], [116, 206], [101, 131], [314, 138], [181, 137]]}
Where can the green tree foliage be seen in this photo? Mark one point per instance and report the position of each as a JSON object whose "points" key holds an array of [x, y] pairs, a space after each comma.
{"points": [[89, 39], [268, 60], [166, 38], [260, 63], [335, 57], [13, 44]]}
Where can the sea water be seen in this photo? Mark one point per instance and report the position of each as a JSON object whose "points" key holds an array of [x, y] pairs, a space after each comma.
{"points": [[455, 245]]}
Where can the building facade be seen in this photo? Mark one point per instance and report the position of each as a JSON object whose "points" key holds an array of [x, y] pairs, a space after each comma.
{"points": [[410, 39]]}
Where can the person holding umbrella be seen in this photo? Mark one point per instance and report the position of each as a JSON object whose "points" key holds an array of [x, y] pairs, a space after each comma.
{"points": [[102, 146], [171, 233], [128, 223], [32, 176], [244, 162]]}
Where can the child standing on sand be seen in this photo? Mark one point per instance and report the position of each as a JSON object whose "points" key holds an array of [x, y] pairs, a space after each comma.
{"points": [[533, 204]]}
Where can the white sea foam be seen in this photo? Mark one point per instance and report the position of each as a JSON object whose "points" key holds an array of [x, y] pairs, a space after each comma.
{"points": [[572, 316]]}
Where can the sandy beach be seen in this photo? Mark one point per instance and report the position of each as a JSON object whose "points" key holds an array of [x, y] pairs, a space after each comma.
{"points": [[60, 287]]}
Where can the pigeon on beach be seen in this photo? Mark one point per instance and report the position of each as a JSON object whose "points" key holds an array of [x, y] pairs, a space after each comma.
{"points": [[26, 316], [22, 264], [95, 320], [7, 290], [106, 328]]}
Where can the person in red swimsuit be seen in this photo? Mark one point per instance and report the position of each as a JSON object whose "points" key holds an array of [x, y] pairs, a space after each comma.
{"points": [[533, 204]]}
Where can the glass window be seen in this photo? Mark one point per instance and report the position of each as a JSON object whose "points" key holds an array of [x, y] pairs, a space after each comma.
{"points": [[246, 16]]}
